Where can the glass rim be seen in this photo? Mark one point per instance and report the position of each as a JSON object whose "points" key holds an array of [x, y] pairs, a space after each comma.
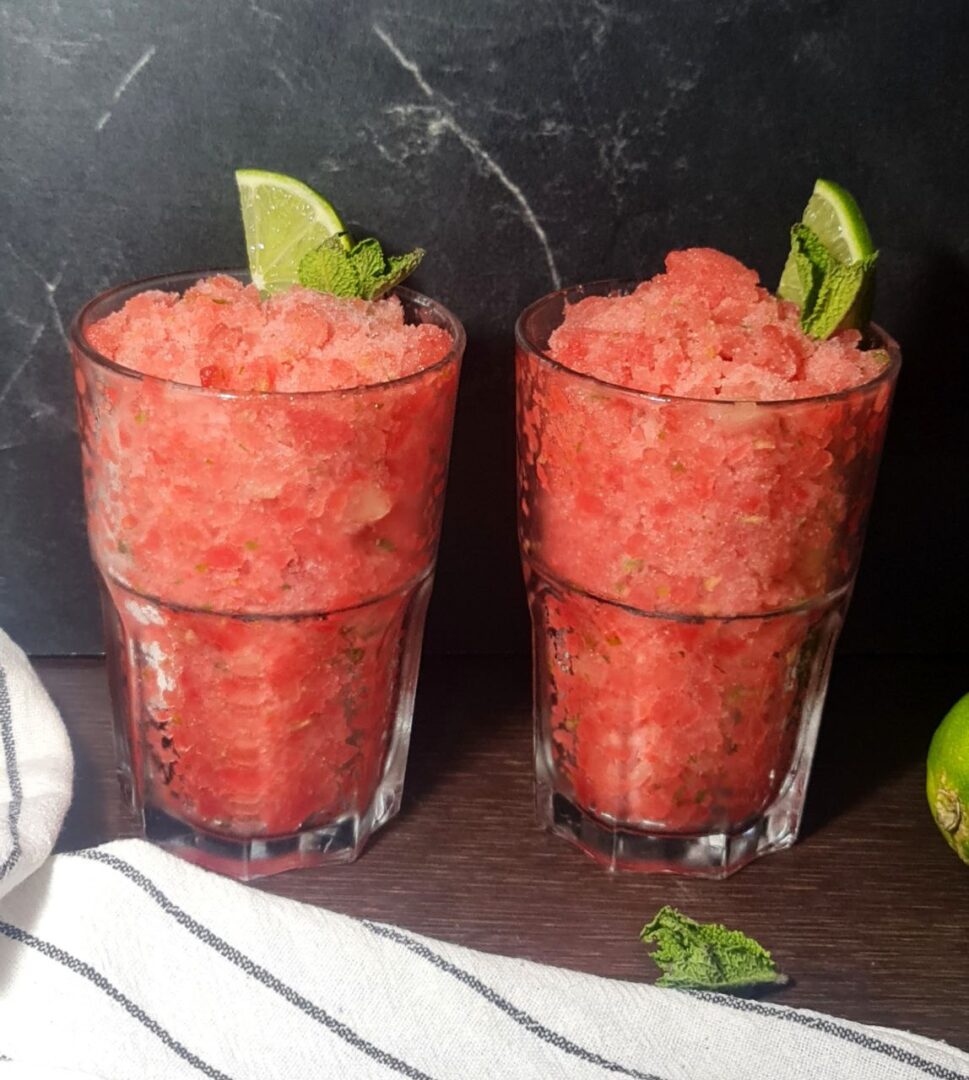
{"points": [[884, 341], [183, 278]]}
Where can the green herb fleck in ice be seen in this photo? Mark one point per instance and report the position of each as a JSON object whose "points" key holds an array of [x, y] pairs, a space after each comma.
{"points": [[707, 956]]}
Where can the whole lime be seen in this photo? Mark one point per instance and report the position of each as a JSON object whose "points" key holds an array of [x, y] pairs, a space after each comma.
{"points": [[947, 777]]}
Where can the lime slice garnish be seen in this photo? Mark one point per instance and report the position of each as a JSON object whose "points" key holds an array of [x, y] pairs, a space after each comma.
{"points": [[833, 215], [283, 220], [836, 219]]}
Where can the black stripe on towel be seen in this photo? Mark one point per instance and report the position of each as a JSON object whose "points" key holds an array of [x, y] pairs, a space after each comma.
{"points": [[94, 976], [838, 1031], [13, 775], [491, 995], [251, 968]]}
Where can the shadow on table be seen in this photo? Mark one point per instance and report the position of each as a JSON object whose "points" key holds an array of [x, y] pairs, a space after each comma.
{"points": [[462, 703], [93, 815], [878, 720], [911, 596], [88, 822]]}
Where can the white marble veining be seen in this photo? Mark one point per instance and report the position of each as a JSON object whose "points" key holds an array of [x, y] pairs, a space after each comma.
{"points": [[21, 367], [521, 144], [126, 80], [50, 285], [264, 13], [280, 74], [441, 118]]}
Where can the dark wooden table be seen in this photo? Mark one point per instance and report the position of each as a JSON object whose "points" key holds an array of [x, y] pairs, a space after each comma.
{"points": [[869, 913]]}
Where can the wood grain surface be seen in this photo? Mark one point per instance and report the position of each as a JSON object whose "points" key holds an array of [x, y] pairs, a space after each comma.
{"points": [[868, 913]]}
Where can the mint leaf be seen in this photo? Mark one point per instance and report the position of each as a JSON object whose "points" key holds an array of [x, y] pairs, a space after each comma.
{"points": [[330, 269], [362, 271], [812, 261], [859, 316], [806, 241], [707, 956], [398, 267], [836, 295], [808, 275], [368, 259]]}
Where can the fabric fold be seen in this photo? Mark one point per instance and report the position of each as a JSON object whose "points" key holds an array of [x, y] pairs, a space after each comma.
{"points": [[36, 768], [160, 969]]}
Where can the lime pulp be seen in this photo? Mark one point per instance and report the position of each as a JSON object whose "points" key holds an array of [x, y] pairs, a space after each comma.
{"points": [[283, 219]]}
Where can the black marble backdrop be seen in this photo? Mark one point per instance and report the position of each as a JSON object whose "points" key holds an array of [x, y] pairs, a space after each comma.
{"points": [[524, 144]]}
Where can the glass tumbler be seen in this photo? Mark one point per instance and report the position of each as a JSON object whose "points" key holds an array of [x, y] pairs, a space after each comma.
{"points": [[688, 565], [265, 562]]}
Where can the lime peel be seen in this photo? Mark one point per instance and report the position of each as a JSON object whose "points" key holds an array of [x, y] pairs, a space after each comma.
{"points": [[947, 778], [948, 810]]}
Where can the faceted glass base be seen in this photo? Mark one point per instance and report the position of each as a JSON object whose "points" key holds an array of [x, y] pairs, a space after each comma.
{"points": [[251, 745], [340, 841], [671, 745], [709, 855]]}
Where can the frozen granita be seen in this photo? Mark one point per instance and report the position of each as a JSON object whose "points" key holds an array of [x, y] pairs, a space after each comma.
{"points": [[264, 478], [695, 473]]}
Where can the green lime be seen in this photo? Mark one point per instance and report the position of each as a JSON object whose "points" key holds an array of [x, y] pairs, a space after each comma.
{"points": [[947, 777], [836, 220], [283, 220], [835, 217], [790, 285]]}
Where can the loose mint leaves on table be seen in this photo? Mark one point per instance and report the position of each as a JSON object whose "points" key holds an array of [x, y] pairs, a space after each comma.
{"points": [[362, 271], [707, 956]]}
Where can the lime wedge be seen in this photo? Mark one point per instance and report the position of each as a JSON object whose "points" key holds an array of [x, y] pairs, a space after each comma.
{"points": [[283, 220], [790, 287], [835, 218]]}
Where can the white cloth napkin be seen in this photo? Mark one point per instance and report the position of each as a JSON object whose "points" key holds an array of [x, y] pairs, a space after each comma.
{"points": [[36, 769], [124, 962]]}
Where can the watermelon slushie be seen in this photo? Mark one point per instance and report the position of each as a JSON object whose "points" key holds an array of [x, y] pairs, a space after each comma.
{"points": [[264, 482], [695, 475]]}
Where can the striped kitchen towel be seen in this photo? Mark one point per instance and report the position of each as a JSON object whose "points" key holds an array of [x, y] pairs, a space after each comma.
{"points": [[36, 769], [125, 962]]}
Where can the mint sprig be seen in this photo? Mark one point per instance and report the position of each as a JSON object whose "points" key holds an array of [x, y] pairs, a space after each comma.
{"points": [[362, 270], [707, 956], [836, 295]]}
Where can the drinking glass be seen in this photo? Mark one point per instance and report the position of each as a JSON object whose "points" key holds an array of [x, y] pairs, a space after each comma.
{"points": [[265, 562], [688, 565]]}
